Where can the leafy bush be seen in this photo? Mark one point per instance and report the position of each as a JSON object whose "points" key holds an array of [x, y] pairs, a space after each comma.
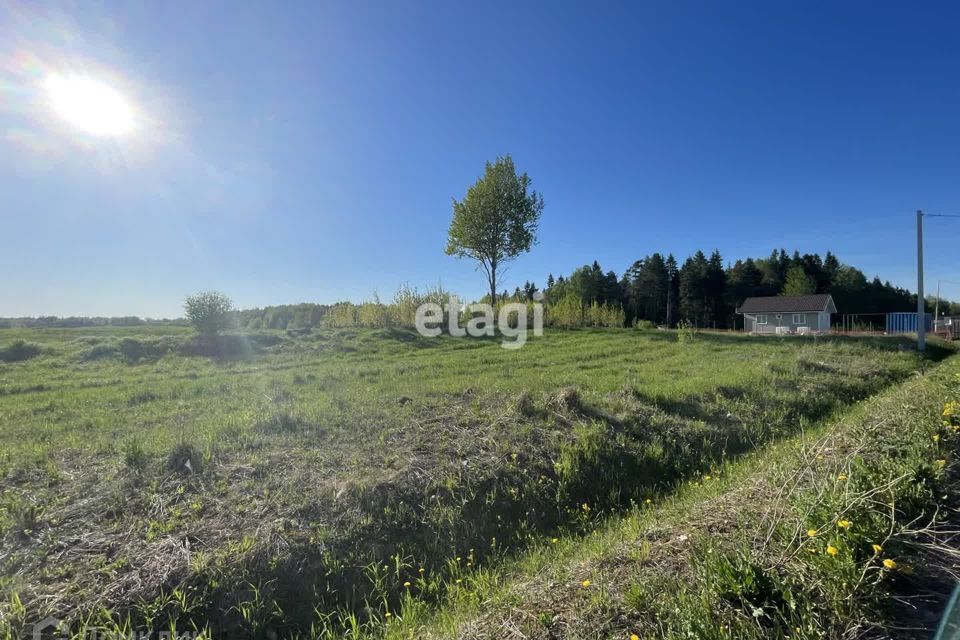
{"points": [[210, 312], [19, 351], [567, 312]]}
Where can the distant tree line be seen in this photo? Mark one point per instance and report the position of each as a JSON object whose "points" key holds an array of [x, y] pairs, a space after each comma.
{"points": [[287, 316], [72, 322], [655, 290], [705, 292]]}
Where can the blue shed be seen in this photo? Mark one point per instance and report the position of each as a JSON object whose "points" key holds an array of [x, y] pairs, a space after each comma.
{"points": [[906, 322]]}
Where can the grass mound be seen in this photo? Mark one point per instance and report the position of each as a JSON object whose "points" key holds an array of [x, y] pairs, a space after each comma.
{"points": [[19, 351]]}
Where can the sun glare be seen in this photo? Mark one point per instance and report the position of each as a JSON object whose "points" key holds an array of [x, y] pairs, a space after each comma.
{"points": [[90, 105]]}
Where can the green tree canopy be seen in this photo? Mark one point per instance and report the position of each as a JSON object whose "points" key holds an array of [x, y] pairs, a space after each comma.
{"points": [[798, 283], [209, 312], [496, 221]]}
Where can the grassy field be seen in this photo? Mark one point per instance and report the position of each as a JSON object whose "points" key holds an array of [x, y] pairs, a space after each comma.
{"points": [[312, 484], [848, 530]]}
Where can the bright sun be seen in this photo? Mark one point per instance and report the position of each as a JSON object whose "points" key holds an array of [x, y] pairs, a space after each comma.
{"points": [[90, 105]]}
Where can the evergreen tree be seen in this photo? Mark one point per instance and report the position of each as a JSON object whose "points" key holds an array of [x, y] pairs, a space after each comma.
{"points": [[673, 290], [715, 284], [693, 289]]}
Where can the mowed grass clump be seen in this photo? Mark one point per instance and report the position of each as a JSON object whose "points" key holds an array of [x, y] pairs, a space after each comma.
{"points": [[323, 480]]}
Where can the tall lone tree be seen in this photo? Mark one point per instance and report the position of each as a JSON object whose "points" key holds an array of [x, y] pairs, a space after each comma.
{"points": [[496, 221]]}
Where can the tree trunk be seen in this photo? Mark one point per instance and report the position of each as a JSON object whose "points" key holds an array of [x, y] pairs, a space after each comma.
{"points": [[493, 289]]}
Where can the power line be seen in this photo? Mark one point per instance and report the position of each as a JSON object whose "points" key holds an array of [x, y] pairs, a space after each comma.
{"points": [[941, 215]]}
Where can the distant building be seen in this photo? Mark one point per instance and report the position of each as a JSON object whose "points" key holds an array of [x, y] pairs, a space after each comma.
{"points": [[788, 314]]}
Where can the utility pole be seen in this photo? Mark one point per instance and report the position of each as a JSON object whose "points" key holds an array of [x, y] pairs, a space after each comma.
{"points": [[921, 317]]}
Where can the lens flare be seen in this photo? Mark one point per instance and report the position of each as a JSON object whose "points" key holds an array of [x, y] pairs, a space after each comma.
{"points": [[90, 105]]}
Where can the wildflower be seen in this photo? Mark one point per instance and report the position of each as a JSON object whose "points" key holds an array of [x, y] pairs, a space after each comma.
{"points": [[648, 501], [585, 507], [407, 584], [388, 614], [421, 569], [459, 580], [936, 437], [832, 550], [707, 478], [634, 636], [889, 564], [941, 464], [877, 548], [459, 558], [585, 583], [554, 540], [842, 476], [811, 533], [843, 524]]}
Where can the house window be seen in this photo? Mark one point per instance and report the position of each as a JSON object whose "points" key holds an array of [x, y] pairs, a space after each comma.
{"points": [[761, 318], [800, 319]]}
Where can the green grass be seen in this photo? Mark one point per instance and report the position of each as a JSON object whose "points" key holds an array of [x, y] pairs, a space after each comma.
{"points": [[297, 482], [846, 530]]}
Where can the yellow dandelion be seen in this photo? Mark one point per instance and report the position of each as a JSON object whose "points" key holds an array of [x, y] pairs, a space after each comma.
{"points": [[421, 569], [832, 550], [388, 614], [585, 584], [811, 533], [459, 581], [554, 540], [842, 476], [648, 501], [877, 548], [634, 636], [406, 584], [941, 464], [936, 437], [843, 524], [889, 564], [707, 478]]}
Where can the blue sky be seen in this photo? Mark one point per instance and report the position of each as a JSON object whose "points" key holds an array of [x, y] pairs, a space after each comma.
{"points": [[309, 152]]}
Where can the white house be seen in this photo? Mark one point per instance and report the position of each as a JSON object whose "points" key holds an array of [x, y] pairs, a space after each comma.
{"points": [[788, 314]]}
